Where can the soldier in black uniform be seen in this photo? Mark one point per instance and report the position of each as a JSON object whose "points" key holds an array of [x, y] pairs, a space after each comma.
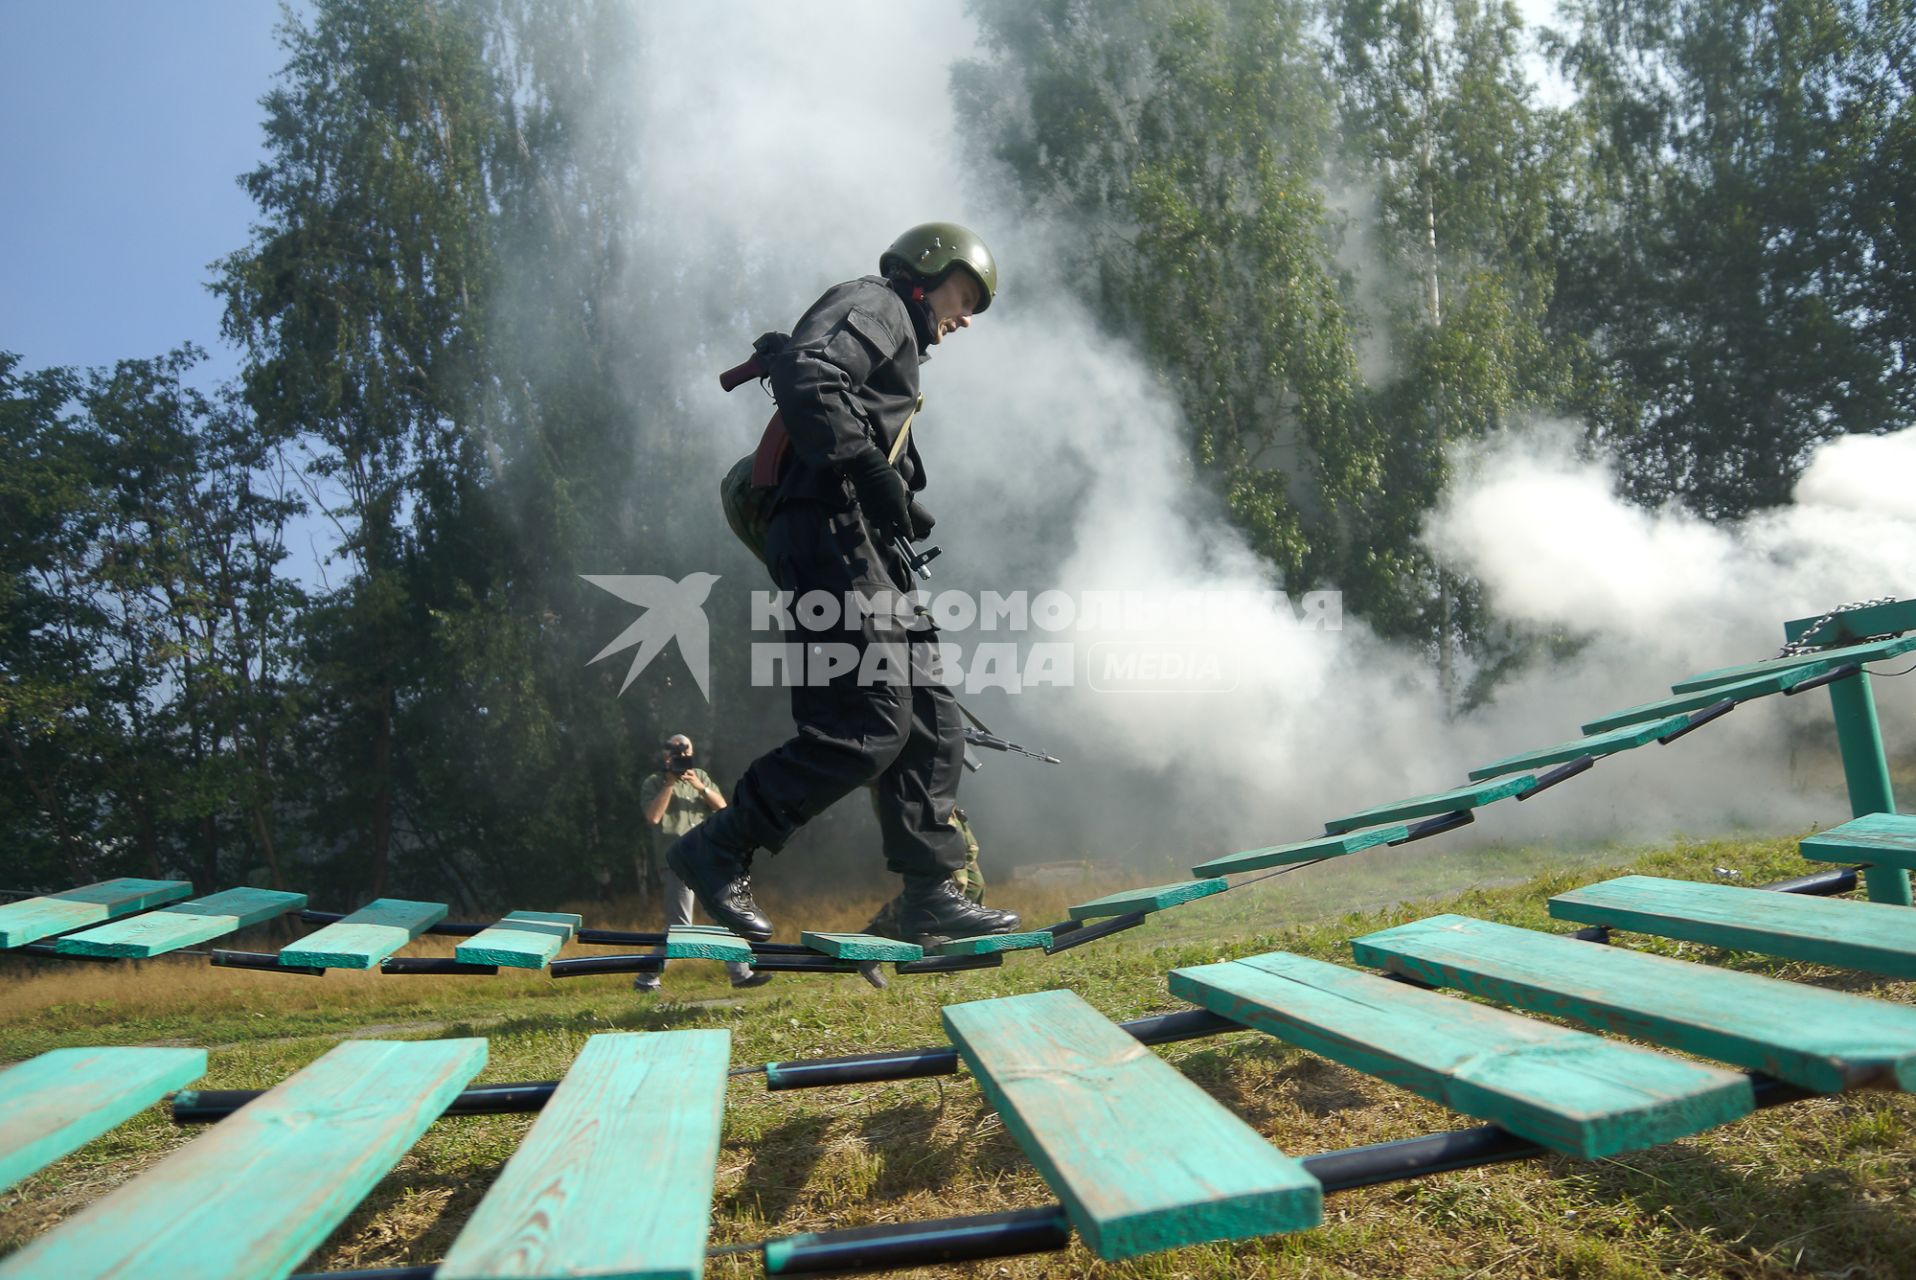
{"points": [[846, 383]]}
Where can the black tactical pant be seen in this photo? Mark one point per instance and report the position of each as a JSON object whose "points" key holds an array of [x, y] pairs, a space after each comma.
{"points": [[903, 734]]}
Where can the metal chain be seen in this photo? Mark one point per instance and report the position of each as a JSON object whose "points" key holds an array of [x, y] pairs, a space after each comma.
{"points": [[1804, 642]]}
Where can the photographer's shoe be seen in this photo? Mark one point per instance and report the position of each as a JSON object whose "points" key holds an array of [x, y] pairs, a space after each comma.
{"points": [[933, 911], [720, 878]]}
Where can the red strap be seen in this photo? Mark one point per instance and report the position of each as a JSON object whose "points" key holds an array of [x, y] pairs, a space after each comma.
{"points": [[768, 461]]}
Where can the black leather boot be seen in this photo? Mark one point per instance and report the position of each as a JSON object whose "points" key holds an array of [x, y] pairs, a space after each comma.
{"points": [[937, 910], [720, 878]]}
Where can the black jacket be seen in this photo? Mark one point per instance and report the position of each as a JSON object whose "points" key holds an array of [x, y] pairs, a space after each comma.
{"points": [[846, 382]]}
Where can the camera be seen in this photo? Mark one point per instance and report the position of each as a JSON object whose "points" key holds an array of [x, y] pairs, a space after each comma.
{"points": [[680, 763]]}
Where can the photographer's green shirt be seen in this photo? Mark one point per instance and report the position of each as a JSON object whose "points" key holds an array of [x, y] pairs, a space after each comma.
{"points": [[684, 811]]}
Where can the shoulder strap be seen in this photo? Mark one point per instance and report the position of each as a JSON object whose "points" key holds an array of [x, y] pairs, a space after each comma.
{"points": [[904, 433]]}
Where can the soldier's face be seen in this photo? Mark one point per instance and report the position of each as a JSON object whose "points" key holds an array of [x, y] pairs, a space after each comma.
{"points": [[952, 303]]}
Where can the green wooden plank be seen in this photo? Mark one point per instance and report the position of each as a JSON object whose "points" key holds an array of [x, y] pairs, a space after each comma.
{"points": [[1881, 839], [523, 940], [1822, 1040], [690, 942], [862, 946], [1155, 898], [367, 936], [1301, 851], [1875, 651], [1779, 681], [616, 1177], [181, 924], [1142, 1158], [1872, 620], [1473, 796], [1596, 744], [264, 1187], [1567, 1090], [992, 943], [36, 918], [60, 1101], [1850, 935]]}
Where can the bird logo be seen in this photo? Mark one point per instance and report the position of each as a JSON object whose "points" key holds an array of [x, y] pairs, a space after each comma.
{"points": [[673, 611]]}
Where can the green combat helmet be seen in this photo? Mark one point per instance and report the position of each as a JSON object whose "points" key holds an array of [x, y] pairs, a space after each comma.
{"points": [[932, 250]]}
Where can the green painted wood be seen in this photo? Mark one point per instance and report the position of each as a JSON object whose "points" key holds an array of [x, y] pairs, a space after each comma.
{"points": [[1155, 898], [264, 1187], [35, 918], [992, 943], [862, 946], [1847, 628], [523, 940], [1567, 1090], [1142, 1158], [1833, 931], [1887, 839], [182, 924], [1778, 681], [1596, 744], [367, 936], [690, 942], [1822, 1040], [1301, 851], [616, 1177], [1859, 738], [1474, 796], [56, 1103], [1875, 651]]}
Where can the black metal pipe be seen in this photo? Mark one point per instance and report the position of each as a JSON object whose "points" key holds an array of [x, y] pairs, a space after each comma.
{"points": [[1831, 676], [1562, 773], [205, 1106], [1819, 883], [261, 960], [432, 964], [1715, 711], [910, 1064], [952, 964], [1435, 826], [45, 951], [919, 1244], [586, 965], [1092, 932]]}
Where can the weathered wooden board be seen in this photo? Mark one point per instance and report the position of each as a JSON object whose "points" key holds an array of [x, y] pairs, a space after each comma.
{"points": [[1779, 681], [182, 924], [616, 1177], [1474, 796], [1301, 851], [35, 918], [992, 943], [1881, 839], [861, 946], [1567, 1090], [1822, 1040], [1142, 1158], [1155, 898], [261, 1189], [692, 942], [367, 936], [1596, 744], [523, 940], [1871, 936], [1852, 625], [1874, 651], [60, 1101]]}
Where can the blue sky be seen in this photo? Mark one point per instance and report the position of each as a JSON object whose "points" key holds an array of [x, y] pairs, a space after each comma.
{"points": [[126, 125]]}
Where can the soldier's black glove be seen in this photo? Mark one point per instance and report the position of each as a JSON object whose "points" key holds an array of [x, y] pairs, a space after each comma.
{"points": [[882, 494], [922, 522]]}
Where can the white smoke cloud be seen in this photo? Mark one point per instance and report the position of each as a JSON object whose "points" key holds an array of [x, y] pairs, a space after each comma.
{"points": [[785, 146]]}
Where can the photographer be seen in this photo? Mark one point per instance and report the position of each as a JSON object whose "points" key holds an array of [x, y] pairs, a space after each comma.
{"points": [[675, 800]]}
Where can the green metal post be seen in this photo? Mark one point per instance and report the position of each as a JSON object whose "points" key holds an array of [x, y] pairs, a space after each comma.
{"points": [[1866, 770]]}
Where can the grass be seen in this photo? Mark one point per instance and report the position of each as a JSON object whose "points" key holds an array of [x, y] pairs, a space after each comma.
{"points": [[1821, 1187]]}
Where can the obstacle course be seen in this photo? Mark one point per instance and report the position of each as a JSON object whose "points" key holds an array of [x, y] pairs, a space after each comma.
{"points": [[1139, 1158]]}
